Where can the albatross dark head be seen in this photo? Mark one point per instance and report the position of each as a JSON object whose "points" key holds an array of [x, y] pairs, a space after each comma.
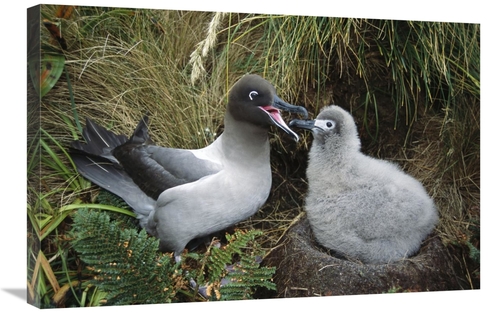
{"points": [[254, 100]]}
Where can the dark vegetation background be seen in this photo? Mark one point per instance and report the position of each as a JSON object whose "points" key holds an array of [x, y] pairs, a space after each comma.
{"points": [[413, 87]]}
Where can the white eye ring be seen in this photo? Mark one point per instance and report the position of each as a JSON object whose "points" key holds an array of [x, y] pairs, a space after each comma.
{"points": [[324, 124], [252, 93]]}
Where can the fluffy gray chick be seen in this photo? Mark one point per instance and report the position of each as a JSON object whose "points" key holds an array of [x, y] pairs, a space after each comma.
{"points": [[359, 206]]}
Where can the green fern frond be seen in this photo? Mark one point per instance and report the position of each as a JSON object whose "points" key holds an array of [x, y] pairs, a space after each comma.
{"points": [[125, 262], [234, 270], [106, 197], [222, 257], [245, 277], [474, 253]]}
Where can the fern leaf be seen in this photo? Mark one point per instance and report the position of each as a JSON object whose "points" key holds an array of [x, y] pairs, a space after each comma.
{"points": [[125, 262], [234, 270]]}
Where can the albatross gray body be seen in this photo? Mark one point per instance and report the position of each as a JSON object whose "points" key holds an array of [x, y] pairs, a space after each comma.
{"points": [[180, 195], [359, 206]]}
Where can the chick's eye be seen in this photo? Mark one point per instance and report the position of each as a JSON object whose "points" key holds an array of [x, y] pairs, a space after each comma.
{"points": [[329, 124], [252, 94]]}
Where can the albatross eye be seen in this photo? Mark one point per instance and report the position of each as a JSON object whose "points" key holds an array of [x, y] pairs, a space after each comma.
{"points": [[252, 94]]}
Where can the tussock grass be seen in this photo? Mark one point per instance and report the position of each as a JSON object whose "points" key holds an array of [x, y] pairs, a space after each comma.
{"points": [[451, 179], [117, 80], [412, 86], [446, 160]]}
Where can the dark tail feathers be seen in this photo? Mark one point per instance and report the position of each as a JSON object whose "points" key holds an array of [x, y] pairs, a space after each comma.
{"points": [[141, 135], [94, 160], [100, 142]]}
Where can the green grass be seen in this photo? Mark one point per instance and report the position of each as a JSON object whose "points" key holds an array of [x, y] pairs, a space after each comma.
{"points": [[413, 87]]}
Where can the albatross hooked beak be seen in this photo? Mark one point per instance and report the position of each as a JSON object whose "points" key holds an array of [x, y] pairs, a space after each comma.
{"points": [[274, 113], [304, 124], [316, 126]]}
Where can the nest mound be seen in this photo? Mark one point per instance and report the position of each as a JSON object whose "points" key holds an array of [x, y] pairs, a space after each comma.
{"points": [[305, 269]]}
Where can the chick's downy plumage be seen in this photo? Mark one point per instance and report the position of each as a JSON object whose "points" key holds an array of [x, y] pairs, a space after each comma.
{"points": [[359, 206]]}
